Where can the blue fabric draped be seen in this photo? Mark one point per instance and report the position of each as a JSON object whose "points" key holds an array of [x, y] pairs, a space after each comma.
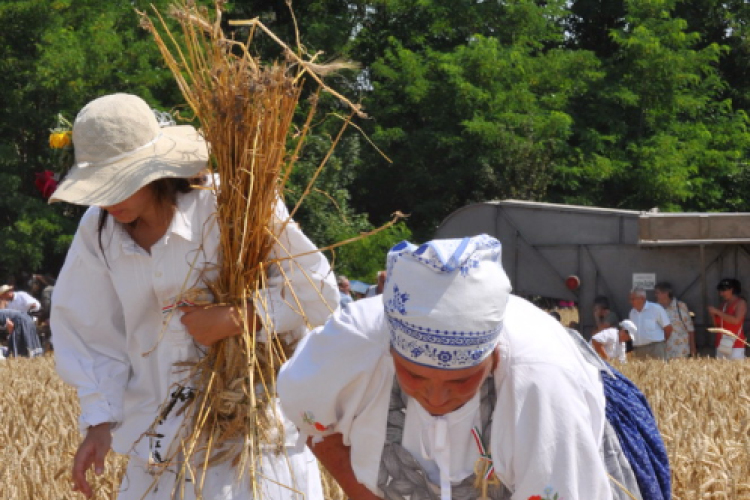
{"points": [[629, 413]]}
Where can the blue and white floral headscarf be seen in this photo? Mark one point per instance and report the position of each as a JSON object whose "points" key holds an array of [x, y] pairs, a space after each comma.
{"points": [[445, 300]]}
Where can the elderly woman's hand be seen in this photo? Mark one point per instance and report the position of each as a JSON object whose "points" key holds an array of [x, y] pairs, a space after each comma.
{"points": [[211, 323]]}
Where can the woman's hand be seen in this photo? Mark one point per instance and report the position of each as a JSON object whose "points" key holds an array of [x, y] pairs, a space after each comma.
{"points": [[92, 451], [714, 311], [209, 324]]}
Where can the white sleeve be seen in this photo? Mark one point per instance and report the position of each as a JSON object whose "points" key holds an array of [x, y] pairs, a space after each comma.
{"points": [[300, 284], [337, 373], [30, 304], [89, 331], [605, 337], [544, 435]]}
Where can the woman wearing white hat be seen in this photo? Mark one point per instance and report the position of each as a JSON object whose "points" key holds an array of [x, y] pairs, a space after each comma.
{"points": [[610, 342], [147, 239], [449, 387]]}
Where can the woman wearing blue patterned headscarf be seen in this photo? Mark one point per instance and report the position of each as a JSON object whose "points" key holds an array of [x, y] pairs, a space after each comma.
{"points": [[450, 387]]}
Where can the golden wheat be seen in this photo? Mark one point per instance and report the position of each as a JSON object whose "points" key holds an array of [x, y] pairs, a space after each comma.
{"points": [[703, 409]]}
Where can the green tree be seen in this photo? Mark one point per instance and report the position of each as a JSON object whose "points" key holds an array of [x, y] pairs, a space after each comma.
{"points": [[327, 213], [54, 57], [657, 130], [470, 101]]}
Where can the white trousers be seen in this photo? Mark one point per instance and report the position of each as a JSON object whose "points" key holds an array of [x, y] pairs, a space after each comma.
{"points": [[737, 353], [291, 476]]}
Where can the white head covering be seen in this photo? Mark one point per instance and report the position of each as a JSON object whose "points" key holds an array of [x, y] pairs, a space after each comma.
{"points": [[630, 327], [120, 147], [445, 300]]}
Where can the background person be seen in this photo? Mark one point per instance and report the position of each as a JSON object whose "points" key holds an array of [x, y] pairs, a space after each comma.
{"points": [[610, 342], [604, 316], [345, 291], [143, 250], [377, 288], [653, 327], [681, 344], [731, 317], [21, 334], [18, 300]]}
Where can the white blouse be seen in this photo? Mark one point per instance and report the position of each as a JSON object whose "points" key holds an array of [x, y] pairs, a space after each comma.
{"points": [[610, 340], [547, 424], [117, 331]]}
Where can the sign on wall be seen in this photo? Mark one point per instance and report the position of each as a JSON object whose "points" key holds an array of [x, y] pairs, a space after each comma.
{"points": [[647, 281]]}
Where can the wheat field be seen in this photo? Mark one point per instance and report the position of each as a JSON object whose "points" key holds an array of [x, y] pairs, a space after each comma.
{"points": [[703, 408]]}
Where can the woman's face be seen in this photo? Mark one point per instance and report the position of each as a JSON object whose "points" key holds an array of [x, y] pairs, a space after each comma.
{"points": [[662, 297], [726, 294], [441, 391], [130, 209]]}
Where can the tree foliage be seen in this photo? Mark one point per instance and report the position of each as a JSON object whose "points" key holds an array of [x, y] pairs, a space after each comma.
{"points": [[625, 103], [54, 57], [658, 130], [630, 104]]}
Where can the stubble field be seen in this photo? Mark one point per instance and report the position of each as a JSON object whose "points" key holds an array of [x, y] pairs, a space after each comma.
{"points": [[703, 408]]}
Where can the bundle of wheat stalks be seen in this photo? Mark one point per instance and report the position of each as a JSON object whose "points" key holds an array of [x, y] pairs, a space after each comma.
{"points": [[245, 108]]}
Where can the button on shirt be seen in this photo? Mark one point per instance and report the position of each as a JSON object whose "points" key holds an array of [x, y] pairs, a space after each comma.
{"points": [[117, 329], [651, 321]]}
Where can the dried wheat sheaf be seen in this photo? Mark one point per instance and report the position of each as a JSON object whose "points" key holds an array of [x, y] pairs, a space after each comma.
{"points": [[246, 109]]}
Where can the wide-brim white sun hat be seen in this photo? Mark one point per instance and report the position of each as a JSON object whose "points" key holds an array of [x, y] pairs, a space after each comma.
{"points": [[120, 148], [445, 300]]}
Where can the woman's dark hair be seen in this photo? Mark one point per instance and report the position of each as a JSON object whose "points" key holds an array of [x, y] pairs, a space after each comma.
{"points": [[601, 300], [730, 284], [665, 287], [165, 191]]}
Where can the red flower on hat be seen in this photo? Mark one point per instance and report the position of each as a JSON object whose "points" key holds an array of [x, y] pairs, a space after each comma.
{"points": [[535, 497], [45, 182]]}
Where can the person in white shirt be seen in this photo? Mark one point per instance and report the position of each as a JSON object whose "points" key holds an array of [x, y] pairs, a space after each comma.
{"points": [[610, 342], [377, 288], [18, 300], [653, 325], [122, 317], [447, 386], [21, 333]]}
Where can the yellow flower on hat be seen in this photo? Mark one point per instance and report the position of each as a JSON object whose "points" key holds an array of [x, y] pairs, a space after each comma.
{"points": [[59, 140]]}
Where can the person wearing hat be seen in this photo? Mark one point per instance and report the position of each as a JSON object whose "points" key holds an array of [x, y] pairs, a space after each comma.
{"points": [[730, 317], [121, 314], [18, 300], [610, 342], [449, 387]]}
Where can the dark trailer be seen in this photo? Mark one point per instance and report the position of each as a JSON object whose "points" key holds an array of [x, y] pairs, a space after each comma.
{"points": [[549, 248]]}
